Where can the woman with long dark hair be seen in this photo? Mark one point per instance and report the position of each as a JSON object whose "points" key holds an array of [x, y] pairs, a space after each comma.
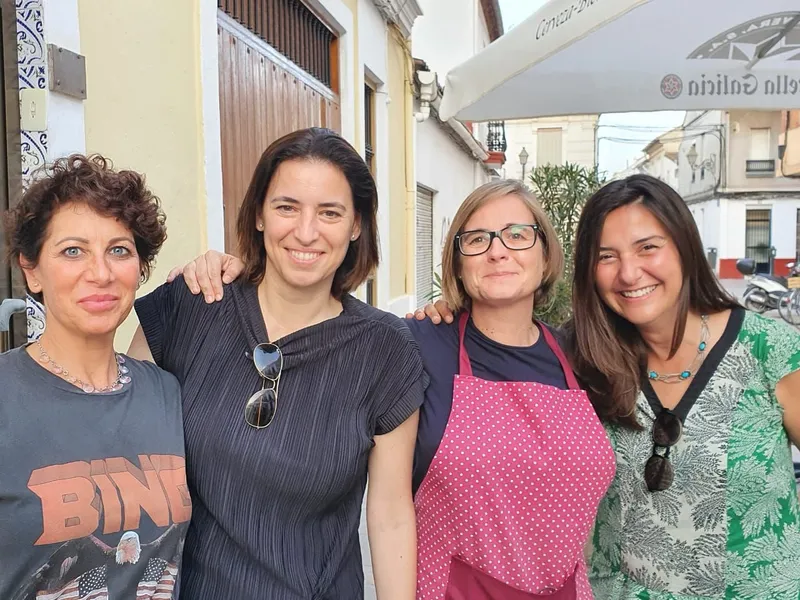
{"points": [[700, 398], [294, 391]]}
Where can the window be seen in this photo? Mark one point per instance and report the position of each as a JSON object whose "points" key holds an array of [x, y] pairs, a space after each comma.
{"points": [[424, 256], [548, 146], [369, 127], [292, 29], [758, 238], [760, 143], [369, 158]]}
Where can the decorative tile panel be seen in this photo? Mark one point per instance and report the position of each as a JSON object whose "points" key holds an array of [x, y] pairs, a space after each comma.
{"points": [[32, 73]]}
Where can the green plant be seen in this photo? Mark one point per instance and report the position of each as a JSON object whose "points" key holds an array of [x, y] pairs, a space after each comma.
{"points": [[436, 288], [562, 191]]}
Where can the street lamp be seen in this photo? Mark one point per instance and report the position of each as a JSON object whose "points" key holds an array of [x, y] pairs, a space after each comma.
{"points": [[523, 160], [709, 162]]}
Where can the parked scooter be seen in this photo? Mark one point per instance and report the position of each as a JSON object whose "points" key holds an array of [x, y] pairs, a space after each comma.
{"points": [[763, 291], [8, 307]]}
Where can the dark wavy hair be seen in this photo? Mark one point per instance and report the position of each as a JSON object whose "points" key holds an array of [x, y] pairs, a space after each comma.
{"points": [[320, 144], [608, 352], [89, 180]]}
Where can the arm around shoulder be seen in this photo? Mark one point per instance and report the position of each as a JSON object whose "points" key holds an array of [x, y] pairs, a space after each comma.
{"points": [[139, 348]]}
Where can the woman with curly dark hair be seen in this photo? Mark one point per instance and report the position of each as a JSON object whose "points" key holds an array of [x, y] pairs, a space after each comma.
{"points": [[93, 496]]}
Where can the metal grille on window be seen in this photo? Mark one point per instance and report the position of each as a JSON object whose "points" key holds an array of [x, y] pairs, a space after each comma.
{"points": [[496, 139], [424, 229], [369, 133], [757, 235], [292, 29]]}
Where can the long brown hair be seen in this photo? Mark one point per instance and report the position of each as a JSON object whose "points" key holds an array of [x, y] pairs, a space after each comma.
{"points": [[314, 144], [453, 290], [608, 352]]}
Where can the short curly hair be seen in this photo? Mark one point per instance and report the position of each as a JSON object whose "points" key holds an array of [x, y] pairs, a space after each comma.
{"points": [[89, 180]]}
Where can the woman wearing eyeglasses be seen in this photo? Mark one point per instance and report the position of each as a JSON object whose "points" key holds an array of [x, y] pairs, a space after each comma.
{"points": [[511, 461], [294, 392], [701, 399]]}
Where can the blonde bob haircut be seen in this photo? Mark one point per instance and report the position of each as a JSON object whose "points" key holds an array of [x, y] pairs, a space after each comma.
{"points": [[453, 291]]}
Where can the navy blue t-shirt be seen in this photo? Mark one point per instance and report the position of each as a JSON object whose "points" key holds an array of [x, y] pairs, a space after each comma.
{"points": [[490, 360]]}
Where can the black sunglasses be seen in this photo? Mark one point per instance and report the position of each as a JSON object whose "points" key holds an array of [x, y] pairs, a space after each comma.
{"points": [[261, 407], [658, 471]]}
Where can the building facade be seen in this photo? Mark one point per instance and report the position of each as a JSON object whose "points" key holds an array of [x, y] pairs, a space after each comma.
{"points": [[452, 158], [550, 141], [193, 97], [733, 178]]}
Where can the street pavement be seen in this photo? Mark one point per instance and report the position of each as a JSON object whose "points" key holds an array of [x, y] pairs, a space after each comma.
{"points": [[734, 286]]}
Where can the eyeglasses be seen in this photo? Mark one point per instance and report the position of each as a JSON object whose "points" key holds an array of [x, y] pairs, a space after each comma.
{"points": [[514, 237], [658, 471], [261, 407]]}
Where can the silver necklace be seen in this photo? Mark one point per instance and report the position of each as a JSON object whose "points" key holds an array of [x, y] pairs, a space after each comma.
{"points": [[699, 357], [54, 367]]}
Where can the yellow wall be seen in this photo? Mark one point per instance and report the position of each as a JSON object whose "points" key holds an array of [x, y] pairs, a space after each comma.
{"points": [[358, 93], [401, 161], [143, 111]]}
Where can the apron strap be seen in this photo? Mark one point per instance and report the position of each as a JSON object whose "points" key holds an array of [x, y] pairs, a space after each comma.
{"points": [[464, 366], [569, 374]]}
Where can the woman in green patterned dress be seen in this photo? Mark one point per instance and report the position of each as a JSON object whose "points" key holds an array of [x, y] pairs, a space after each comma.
{"points": [[701, 400]]}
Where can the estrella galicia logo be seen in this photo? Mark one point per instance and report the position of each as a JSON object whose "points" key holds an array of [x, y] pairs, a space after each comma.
{"points": [[743, 43], [671, 86]]}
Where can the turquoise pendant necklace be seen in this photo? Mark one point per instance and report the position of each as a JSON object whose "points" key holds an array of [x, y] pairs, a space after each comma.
{"points": [[698, 359]]}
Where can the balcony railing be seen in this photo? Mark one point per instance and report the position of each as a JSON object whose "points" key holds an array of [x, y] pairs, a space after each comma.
{"points": [[496, 138], [760, 168]]}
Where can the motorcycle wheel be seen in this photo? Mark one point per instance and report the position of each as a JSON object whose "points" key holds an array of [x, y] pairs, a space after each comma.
{"points": [[751, 304]]}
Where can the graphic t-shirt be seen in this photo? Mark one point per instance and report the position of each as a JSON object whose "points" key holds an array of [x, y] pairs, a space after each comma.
{"points": [[93, 497]]}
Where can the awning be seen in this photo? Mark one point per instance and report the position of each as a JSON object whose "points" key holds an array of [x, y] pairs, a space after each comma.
{"points": [[602, 56]]}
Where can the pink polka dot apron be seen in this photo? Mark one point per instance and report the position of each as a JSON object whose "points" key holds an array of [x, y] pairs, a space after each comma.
{"points": [[508, 501]]}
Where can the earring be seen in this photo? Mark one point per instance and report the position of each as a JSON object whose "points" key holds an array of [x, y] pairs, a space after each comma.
{"points": [[353, 238], [260, 226]]}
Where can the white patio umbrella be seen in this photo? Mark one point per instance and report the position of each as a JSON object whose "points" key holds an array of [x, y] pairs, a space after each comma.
{"points": [[600, 56]]}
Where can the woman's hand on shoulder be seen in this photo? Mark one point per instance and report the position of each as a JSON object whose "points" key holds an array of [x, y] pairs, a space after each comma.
{"points": [[207, 273], [435, 312]]}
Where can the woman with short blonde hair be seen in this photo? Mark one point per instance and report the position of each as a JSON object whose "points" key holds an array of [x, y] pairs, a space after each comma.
{"points": [[452, 289], [511, 460]]}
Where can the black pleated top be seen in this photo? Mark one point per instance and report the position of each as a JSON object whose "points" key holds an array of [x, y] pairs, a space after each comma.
{"points": [[276, 510]]}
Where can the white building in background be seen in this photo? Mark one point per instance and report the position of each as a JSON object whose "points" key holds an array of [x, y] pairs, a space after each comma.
{"points": [[452, 158], [731, 175], [659, 159], [550, 140]]}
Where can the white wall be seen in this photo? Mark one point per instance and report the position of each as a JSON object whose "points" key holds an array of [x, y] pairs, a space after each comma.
{"points": [[450, 172], [784, 227], [707, 217], [445, 35], [701, 134], [664, 169], [373, 58], [577, 142], [65, 116]]}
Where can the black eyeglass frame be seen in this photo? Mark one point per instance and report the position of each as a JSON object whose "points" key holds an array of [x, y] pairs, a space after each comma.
{"points": [[537, 232]]}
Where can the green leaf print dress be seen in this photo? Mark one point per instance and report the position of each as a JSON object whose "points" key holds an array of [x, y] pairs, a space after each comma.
{"points": [[729, 526]]}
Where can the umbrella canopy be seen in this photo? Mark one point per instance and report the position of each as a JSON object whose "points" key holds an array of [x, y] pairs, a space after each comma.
{"points": [[601, 56]]}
